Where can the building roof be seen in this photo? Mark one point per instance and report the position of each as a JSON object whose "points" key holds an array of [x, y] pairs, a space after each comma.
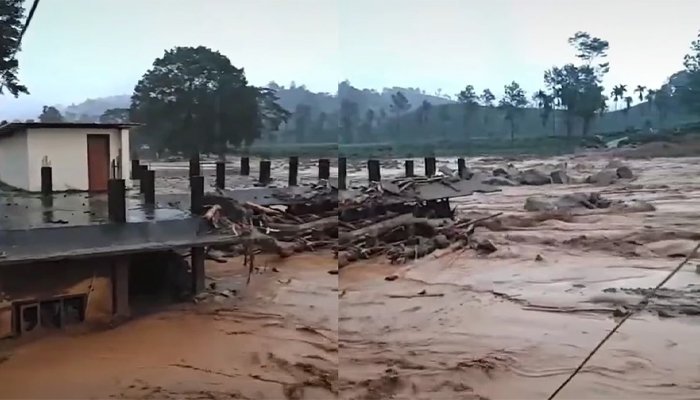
{"points": [[87, 241], [12, 127]]}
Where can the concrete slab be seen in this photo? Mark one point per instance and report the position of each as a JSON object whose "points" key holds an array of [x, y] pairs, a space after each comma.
{"points": [[20, 210], [81, 241]]}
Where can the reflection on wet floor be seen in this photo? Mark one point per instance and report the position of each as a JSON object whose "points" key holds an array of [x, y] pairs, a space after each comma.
{"points": [[23, 210]]}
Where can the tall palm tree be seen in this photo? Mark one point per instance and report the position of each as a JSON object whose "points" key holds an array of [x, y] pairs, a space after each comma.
{"points": [[628, 105], [640, 91], [618, 93]]}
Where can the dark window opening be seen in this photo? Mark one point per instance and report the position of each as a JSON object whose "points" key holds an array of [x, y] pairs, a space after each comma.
{"points": [[73, 310], [29, 317], [156, 279], [53, 313]]}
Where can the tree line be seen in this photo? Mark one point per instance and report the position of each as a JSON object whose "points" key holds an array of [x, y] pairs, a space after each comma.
{"points": [[195, 99]]}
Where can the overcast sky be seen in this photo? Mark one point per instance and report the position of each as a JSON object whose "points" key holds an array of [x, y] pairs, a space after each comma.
{"points": [[77, 49]]}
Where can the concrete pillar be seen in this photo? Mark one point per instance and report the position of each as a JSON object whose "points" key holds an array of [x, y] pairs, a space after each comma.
{"points": [[245, 166], [293, 170], [141, 174], [149, 187], [324, 169], [342, 173], [196, 194], [221, 174], [429, 166], [197, 270], [120, 288], [374, 171], [135, 169], [408, 166], [195, 168], [116, 200], [46, 181], [265, 167], [461, 168]]}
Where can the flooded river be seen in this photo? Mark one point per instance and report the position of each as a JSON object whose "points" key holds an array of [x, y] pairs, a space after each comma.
{"points": [[509, 325]]}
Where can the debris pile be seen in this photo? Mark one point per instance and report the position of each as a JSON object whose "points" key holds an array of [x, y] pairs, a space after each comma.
{"points": [[558, 174], [300, 227], [588, 201], [403, 232]]}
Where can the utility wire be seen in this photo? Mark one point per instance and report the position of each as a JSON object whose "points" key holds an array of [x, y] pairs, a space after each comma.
{"points": [[640, 306]]}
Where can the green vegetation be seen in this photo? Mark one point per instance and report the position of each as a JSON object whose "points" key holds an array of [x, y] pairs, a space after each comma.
{"points": [[194, 99], [11, 31], [50, 114]]}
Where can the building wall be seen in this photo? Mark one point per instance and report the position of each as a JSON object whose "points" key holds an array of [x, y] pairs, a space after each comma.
{"points": [[44, 281], [66, 150], [14, 160]]}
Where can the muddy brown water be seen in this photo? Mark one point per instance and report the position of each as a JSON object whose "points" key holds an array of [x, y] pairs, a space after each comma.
{"points": [[510, 325]]}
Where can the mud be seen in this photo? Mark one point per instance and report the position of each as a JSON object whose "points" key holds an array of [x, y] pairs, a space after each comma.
{"points": [[455, 325], [516, 322], [276, 340]]}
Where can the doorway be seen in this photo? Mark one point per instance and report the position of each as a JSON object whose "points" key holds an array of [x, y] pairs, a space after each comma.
{"points": [[98, 162]]}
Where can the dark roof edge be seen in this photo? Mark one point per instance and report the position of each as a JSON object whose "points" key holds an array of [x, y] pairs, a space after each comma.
{"points": [[10, 128]]}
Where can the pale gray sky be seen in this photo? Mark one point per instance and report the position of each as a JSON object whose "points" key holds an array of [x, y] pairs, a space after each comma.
{"points": [[77, 49]]}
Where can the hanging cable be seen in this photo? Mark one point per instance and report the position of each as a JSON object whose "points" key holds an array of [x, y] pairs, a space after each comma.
{"points": [[640, 306]]}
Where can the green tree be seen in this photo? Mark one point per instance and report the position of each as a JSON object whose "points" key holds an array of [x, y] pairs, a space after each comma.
{"points": [[618, 93], [470, 102], [320, 125], [640, 92], [487, 98], [690, 91], [513, 103], [423, 113], [626, 110], [50, 114], [663, 101], [368, 125], [545, 103], [349, 114], [115, 115], [444, 115], [11, 31], [302, 120], [578, 88], [193, 99], [399, 104]]}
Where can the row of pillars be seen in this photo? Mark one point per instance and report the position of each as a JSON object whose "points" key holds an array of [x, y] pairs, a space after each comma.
{"points": [[374, 171], [265, 175]]}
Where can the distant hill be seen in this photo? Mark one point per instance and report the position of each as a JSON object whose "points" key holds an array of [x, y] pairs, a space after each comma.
{"points": [[290, 98], [91, 109]]}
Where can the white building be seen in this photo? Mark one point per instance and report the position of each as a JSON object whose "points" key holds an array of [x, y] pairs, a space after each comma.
{"points": [[81, 155]]}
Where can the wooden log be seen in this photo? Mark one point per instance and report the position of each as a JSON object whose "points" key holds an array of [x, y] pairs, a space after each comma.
{"points": [[385, 226], [321, 224], [263, 209]]}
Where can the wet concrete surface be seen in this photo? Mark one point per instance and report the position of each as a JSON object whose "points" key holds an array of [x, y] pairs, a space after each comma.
{"points": [[509, 325], [20, 210], [25, 211]]}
